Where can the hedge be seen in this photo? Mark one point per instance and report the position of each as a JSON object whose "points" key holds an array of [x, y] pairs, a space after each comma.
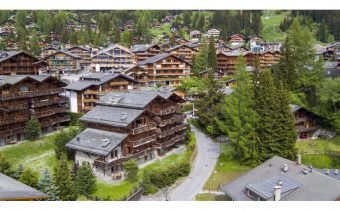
{"points": [[168, 175]]}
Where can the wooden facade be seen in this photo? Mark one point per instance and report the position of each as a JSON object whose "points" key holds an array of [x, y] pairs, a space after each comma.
{"points": [[26, 97], [142, 52], [139, 74], [237, 39], [305, 122], [226, 61], [62, 62], [183, 52], [19, 63], [83, 53], [166, 69]]}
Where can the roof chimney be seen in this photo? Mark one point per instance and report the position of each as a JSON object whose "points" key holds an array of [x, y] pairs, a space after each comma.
{"points": [[78, 138], [305, 171], [311, 168], [327, 172], [285, 167], [298, 159], [277, 192], [336, 172]]}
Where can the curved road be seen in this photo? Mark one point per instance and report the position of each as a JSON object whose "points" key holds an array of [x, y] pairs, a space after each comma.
{"points": [[206, 157]]}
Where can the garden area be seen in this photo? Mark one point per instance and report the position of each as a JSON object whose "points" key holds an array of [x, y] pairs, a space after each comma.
{"points": [[320, 153]]}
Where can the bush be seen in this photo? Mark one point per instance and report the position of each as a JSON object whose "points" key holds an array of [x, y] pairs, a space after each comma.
{"points": [[131, 170], [5, 166], [149, 188], [29, 178], [75, 118], [32, 129]]}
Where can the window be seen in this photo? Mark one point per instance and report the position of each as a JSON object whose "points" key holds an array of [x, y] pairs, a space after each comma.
{"points": [[23, 89]]}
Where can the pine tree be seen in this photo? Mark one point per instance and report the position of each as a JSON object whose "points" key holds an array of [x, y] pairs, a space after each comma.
{"points": [[63, 180], [212, 60], [32, 129], [29, 178], [131, 170], [61, 139], [85, 180], [257, 23], [239, 118], [266, 108], [285, 133], [19, 172], [47, 186], [35, 47], [200, 61]]}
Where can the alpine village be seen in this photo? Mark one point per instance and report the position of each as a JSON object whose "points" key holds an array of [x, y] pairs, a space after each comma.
{"points": [[169, 105]]}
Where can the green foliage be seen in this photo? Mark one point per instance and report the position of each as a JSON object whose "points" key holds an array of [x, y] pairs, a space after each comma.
{"points": [[63, 180], [212, 59], [149, 188], [5, 165], [75, 118], [47, 186], [29, 178], [32, 129], [18, 172], [62, 138], [131, 170], [85, 180]]}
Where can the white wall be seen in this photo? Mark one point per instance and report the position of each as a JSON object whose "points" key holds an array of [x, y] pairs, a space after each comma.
{"points": [[73, 101], [87, 157]]}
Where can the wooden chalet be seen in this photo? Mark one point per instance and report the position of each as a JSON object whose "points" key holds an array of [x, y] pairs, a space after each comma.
{"points": [[25, 97], [213, 32], [166, 69], [237, 39], [19, 63], [183, 52], [226, 61], [139, 74], [62, 62], [306, 122], [83, 53], [87, 91], [143, 52], [129, 125], [269, 58], [217, 74], [13, 190], [101, 62]]}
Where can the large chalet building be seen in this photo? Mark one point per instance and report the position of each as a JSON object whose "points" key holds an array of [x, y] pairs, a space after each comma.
{"points": [[19, 63], [62, 62], [183, 52], [305, 121], [166, 69], [87, 91], [139, 74], [237, 39], [129, 125], [25, 97], [143, 52], [83, 53]]}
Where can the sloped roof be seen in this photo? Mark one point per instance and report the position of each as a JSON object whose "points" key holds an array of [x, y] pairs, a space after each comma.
{"points": [[4, 55], [114, 116], [64, 52], [91, 141], [145, 47], [294, 107], [81, 47], [14, 79], [330, 65], [179, 46], [11, 189], [159, 57], [315, 186]]}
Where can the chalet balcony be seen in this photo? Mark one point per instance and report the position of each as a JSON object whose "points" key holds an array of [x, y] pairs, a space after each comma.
{"points": [[61, 99], [301, 119], [55, 120], [15, 107], [119, 83], [107, 164], [93, 92], [31, 94], [143, 128], [90, 100], [13, 120], [50, 112], [142, 141], [172, 141], [172, 130], [302, 129], [10, 132], [172, 120]]}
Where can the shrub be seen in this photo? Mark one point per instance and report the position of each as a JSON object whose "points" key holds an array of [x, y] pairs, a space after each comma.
{"points": [[75, 118], [131, 170], [29, 178], [32, 129], [62, 138], [149, 188], [5, 166]]}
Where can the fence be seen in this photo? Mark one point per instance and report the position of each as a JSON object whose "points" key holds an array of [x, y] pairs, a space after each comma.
{"points": [[318, 152]]}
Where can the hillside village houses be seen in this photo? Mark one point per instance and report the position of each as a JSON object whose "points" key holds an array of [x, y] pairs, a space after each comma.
{"points": [[129, 125]]}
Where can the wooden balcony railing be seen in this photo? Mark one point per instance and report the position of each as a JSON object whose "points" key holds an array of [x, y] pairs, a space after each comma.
{"points": [[172, 130], [93, 92], [302, 119], [10, 132], [172, 141], [15, 107], [55, 120], [13, 120], [36, 104], [30, 94], [143, 128], [107, 164], [50, 112], [302, 129], [119, 83], [142, 141], [90, 100]]}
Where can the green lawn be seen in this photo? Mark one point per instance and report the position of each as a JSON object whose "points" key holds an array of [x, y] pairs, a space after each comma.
{"points": [[165, 161], [271, 21], [319, 145], [226, 170], [165, 28], [212, 197], [113, 191]]}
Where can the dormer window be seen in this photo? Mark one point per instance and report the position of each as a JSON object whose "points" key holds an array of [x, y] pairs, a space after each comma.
{"points": [[23, 89]]}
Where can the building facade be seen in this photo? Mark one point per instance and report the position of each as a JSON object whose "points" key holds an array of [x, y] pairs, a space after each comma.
{"points": [[142, 52], [305, 122], [26, 97], [83, 53], [62, 62], [129, 125], [183, 52]]}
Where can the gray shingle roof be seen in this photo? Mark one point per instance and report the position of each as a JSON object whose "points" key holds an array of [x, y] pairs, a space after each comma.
{"points": [[154, 59], [114, 116], [4, 55], [315, 186], [294, 107], [13, 189], [91, 141], [330, 65], [13, 79], [139, 48], [80, 85], [64, 52]]}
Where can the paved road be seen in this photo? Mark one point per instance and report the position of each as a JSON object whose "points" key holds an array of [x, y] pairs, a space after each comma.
{"points": [[207, 154]]}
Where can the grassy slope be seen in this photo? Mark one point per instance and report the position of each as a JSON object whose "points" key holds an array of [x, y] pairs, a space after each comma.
{"points": [[271, 22], [212, 197]]}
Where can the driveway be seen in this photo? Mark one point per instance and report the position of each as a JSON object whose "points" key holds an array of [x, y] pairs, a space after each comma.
{"points": [[206, 157]]}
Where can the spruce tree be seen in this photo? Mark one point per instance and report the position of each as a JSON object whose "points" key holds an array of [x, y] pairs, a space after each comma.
{"points": [[239, 118], [32, 129], [85, 180], [19, 172], [63, 180], [47, 186], [200, 61], [212, 60]]}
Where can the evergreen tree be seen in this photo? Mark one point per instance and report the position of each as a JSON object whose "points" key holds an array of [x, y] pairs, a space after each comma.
{"points": [[35, 47], [85, 181], [257, 23], [29, 178], [149, 188], [32, 129], [5, 165], [131, 170], [47, 186], [63, 180], [19, 172], [61, 139], [239, 119], [200, 60], [212, 59]]}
